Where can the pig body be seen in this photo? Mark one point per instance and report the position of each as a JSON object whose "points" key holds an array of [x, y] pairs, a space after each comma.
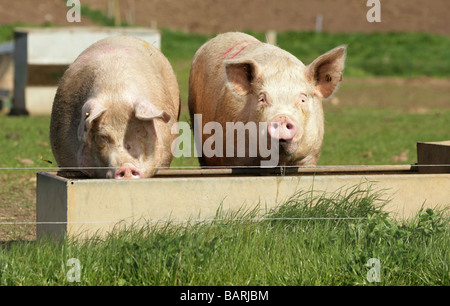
{"points": [[114, 109], [236, 78]]}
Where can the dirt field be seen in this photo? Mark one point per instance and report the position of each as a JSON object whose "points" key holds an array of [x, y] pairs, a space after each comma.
{"points": [[207, 16]]}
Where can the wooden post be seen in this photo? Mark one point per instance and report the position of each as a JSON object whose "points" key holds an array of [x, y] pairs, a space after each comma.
{"points": [[271, 37], [117, 20], [319, 23], [20, 74], [130, 13], [433, 157]]}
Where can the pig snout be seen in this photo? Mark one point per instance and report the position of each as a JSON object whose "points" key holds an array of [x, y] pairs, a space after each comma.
{"points": [[282, 128], [127, 171]]}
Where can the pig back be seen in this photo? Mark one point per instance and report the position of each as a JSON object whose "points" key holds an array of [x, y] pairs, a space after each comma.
{"points": [[123, 62]]}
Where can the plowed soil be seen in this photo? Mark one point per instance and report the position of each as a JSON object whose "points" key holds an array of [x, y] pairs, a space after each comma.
{"points": [[208, 16]]}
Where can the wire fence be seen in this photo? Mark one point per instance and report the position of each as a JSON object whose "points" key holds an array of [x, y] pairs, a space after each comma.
{"points": [[189, 220]]}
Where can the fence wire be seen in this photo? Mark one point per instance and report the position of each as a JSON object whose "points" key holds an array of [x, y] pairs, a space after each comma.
{"points": [[189, 220]]}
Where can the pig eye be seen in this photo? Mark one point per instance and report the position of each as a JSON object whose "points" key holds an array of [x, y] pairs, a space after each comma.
{"points": [[262, 98], [104, 139], [303, 98]]}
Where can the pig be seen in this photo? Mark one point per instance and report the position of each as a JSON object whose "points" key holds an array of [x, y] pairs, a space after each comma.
{"points": [[236, 78], [114, 109]]}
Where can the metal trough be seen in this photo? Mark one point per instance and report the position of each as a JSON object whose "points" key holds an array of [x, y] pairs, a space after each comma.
{"points": [[79, 206]]}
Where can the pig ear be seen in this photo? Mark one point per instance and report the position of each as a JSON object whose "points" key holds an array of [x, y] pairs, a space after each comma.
{"points": [[326, 71], [240, 74], [91, 111], [146, 110]]}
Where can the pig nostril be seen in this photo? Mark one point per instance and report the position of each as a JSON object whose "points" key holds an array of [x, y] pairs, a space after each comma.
{"points": [[127, 171], [289, 126]]}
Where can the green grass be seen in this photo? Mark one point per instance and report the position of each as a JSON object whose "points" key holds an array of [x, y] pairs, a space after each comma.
{"points": [[228, 251], [24, 138], [376, 136], [7, 32], [180, 48], [376, 54], [373, 54]]}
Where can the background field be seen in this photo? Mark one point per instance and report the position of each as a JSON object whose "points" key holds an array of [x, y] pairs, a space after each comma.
{"points": [[258, 15], [395, 92]]}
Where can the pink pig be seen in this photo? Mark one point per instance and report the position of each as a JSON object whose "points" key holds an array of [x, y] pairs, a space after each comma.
{"points": [[236, 78], [114, 110]]}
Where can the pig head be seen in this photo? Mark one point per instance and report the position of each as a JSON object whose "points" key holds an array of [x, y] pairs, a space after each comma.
{"points": [[120, 142]]}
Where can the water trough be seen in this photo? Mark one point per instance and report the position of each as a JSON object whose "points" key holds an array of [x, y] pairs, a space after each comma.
{"points": [[78, 206]]}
